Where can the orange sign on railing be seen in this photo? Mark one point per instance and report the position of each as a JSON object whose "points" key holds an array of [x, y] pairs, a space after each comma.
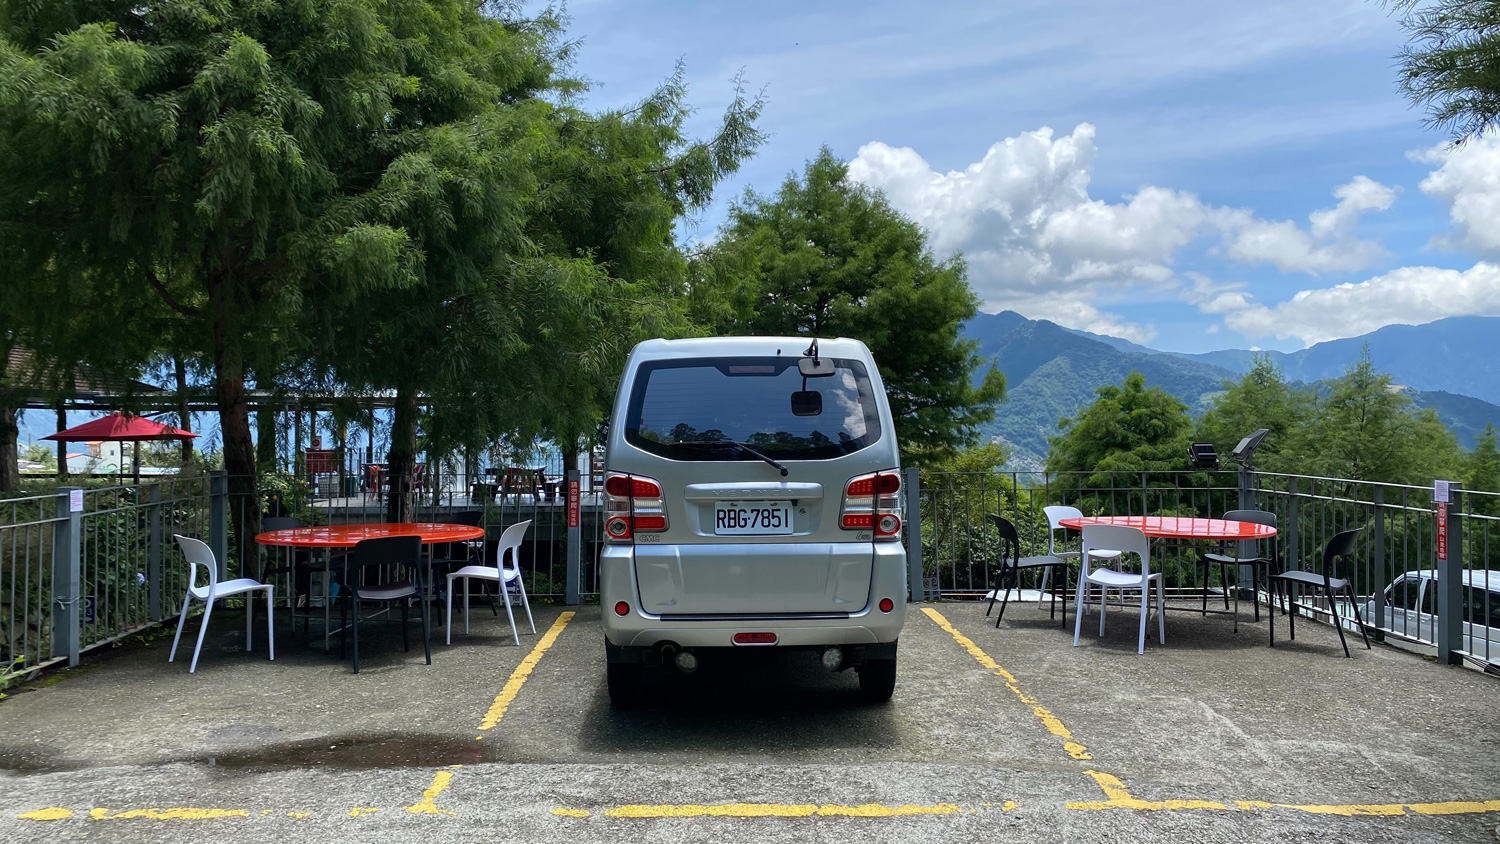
{"points": [[1442, 531]]}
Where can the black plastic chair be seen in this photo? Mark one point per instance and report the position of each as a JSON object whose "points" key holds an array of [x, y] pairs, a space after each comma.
{"points": [[391, 553], [300, 565], [1260, 566], [1340, 546], [1012, 563]]}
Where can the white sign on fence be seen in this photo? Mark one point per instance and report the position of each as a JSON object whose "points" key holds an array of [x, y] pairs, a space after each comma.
{"points": [[1439, 492], [75, 501]]}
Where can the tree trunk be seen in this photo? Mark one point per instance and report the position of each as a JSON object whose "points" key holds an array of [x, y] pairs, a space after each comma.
{"points": [[234, 423], [401, 459], [265, 438], [10, 473], [184, 413], [62, 447]]}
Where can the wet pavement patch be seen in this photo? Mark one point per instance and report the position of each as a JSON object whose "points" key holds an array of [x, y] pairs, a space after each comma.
{"points": [[41, 759], [391, 750]]}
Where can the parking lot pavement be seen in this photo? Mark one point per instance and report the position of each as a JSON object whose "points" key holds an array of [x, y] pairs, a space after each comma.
{"points": [[994, 735]]}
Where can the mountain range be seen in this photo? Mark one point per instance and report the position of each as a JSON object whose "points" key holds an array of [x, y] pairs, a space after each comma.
{"points": [[1448, 365]]}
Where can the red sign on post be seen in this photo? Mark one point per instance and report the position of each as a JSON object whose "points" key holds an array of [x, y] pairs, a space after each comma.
{"points": [[1442, 530], [573, 503]]}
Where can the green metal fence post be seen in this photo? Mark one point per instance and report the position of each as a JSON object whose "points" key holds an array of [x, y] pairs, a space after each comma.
{"points": [[67, 573], [1450, 585]]}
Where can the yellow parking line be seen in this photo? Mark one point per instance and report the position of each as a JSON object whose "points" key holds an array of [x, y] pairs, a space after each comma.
{"points": [[523, 671], [1044, 715], [167, 814], [778, 810], [428, 805], [1117, 797]]}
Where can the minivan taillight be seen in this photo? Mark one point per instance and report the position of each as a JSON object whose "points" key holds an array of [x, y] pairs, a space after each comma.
{"points": [[632, 504], [873, 503]]}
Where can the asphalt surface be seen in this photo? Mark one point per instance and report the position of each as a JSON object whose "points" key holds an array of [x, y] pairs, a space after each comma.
{"points": [[993, 735]]}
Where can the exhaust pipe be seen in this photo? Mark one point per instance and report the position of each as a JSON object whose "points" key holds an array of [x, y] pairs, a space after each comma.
{"points": [[686, 661]]}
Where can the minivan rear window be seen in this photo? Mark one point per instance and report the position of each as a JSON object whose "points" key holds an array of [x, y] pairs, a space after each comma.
{"points": [[697, 408]]}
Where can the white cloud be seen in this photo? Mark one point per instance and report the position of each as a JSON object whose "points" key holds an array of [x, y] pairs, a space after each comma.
{"points": [[1469, 181], [1409, 295], [1034, 239], [1036, 242], [1328, 244]]}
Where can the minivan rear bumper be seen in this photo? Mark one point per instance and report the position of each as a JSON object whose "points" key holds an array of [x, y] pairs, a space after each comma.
{"points": [[866, 626]]}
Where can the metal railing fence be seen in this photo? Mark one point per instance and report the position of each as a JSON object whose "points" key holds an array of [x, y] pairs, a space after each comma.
{"points": [[27, 528], [82, 568], [1395, 576]]}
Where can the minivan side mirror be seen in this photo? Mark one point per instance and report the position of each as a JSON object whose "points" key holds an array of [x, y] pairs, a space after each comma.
{"points": [[815, 367], [807, 403]]}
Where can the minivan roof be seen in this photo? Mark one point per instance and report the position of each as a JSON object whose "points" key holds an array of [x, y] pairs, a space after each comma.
{"points": [[1486, 578], [697, 347]]}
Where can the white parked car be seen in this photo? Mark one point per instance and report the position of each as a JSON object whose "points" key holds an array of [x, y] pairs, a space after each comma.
{"points": [[1411, 610], [752, 489]]}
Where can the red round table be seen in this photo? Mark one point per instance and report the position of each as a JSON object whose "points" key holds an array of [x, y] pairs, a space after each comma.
{"points": [[347, 536], [1179, 527]]}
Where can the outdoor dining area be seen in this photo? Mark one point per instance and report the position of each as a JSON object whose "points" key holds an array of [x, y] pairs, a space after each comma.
{"points": [[399, 569], [1094, 556]]}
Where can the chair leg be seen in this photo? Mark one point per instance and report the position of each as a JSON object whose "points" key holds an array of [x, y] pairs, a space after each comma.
{"points": [[526, 602], [1224, 582], [466, 606], [1140, 647], [405, 622], [1338, 623], [249, 617], [271, 620], [1354, 602], [448, 617], [1015, 580], [354, 623], [1161, 610], [1291, 612], [1255, 579], [1271, 610], [1103, 601], [505, 594], [181, 622], [1042, 588], [208, 608], [426, 633], [1078, 609]]}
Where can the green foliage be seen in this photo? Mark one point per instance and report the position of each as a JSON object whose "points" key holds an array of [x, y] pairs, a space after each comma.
{"points": [[1130, 427], [1452, 64], [828, 257], [1367, 430], [1484, 474], [1261, 399]]}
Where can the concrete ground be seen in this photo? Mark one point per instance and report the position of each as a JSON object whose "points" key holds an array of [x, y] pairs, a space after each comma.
{"points": [[993, 735]]}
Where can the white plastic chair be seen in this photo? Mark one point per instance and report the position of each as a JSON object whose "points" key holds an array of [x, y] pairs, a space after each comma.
{"points": [[199, 554], [1127, 540], [510, 541], [1055, 514]]}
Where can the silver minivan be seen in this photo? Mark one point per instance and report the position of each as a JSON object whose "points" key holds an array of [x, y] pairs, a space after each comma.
{"points": [[1411, 610], [752, 500]]}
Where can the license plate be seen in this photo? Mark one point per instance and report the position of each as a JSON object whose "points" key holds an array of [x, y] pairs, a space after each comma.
{"points": [[752, 518]]}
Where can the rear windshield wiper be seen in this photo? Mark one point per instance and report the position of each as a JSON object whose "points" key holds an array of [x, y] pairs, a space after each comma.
{"points": [[735, 444]]}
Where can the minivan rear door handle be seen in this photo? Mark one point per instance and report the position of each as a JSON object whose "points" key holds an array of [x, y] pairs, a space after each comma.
{"points": [[752, 491]]}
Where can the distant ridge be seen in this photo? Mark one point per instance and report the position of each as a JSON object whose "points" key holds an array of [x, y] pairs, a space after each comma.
{"points": [[1450, 365]]}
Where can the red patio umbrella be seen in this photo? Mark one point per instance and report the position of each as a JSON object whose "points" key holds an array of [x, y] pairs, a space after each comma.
{"points": [[119, 427]]}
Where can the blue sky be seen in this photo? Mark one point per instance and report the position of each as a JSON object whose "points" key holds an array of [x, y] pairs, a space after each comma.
{"points": [[1170, 202]]}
